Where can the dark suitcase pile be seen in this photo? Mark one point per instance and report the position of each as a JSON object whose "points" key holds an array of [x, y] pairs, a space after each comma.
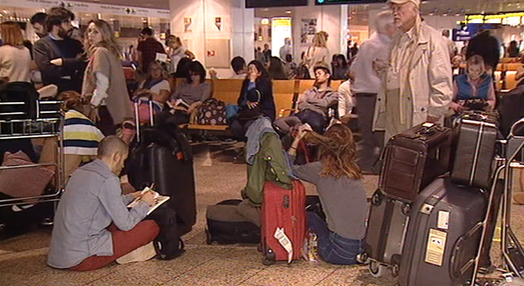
{"points": [[413, 159], [163, 157], [443, 236]]}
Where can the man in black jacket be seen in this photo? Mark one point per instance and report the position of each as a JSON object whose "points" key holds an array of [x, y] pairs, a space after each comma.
{"points": [[58, 56], [486, 46]]}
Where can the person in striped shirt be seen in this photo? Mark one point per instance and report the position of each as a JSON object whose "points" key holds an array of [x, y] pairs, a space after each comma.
{"points": [[81, 136]]}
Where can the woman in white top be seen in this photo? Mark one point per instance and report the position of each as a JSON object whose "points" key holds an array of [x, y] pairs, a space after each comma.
{"points": [[176, 51], [317, 52], [15, 59], [156, 85]]}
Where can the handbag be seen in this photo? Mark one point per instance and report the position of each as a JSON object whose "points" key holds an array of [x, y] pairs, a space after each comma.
{"points": [[245, 113]]}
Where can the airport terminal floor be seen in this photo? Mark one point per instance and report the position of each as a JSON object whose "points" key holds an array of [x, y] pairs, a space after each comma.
{"points": [[22, 258]]}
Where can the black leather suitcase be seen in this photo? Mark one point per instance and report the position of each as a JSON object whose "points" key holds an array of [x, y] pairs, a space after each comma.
{"points": [[443, 235], [163, 157], [474, 153], [413, 159], [387, 222]]}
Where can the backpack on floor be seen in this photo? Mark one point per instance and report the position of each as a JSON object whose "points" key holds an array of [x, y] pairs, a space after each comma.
{"points": [[168, 244], [229, 231]]}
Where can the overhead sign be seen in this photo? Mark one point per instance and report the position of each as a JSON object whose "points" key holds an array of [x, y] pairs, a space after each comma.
{"points": [[274, 3], [340, 2], [90, 7]]}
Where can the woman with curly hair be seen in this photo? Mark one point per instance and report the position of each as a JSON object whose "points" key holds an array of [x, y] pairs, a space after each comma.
{"points": [[339, 183], [104, 80]]}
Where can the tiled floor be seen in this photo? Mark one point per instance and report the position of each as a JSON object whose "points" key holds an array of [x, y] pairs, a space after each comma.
{"points": [[22, 259]]}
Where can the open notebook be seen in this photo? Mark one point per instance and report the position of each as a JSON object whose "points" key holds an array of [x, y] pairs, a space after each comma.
{"points": [[159, 200]]}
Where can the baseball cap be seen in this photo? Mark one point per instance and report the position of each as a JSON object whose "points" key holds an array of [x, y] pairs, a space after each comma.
{"points": [[416, 2]]}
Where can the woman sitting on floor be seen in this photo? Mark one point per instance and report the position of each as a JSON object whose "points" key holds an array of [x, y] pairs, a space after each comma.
{"points": [[338, 180]]}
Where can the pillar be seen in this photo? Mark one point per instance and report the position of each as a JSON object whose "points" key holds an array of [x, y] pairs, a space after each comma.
{"points": [[214, 30]]}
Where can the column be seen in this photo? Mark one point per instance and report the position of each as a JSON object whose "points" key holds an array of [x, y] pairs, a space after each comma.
{"points": [[215, 30]]}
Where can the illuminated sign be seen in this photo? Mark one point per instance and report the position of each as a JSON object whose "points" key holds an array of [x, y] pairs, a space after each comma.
{"points": [[274, 3], [339, 2]]}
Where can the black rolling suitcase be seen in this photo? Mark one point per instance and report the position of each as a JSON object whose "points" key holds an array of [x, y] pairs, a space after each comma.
{"points": [[474, 153], [413, 159], [443, 235], [385, 233], [162, 156]]}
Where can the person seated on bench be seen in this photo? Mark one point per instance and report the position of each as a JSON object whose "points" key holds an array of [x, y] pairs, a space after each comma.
{"points": [[238, 64], [156, 85], [92, 225], [474, 84], [313, 104], [192, 93], [338, 180], [256, 99]]}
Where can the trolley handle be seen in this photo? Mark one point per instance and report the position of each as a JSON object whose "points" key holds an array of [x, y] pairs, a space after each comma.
{"points": [[514, 127], [137, 100]]}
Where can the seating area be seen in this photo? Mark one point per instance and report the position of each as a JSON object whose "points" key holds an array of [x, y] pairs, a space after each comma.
{"points": [[285, 93], [505, 75]]}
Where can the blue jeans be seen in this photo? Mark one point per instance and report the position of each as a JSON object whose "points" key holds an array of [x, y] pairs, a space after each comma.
{"points": [[332, 247]]}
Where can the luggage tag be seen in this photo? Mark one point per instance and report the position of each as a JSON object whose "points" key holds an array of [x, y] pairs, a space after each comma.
{"points": [[285, 242]]}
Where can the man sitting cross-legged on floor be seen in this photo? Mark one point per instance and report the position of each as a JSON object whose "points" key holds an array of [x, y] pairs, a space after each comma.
{"points": [[92, 225]]}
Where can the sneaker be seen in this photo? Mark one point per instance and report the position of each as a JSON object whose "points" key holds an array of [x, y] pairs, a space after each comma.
{"points": [[142, 253]]}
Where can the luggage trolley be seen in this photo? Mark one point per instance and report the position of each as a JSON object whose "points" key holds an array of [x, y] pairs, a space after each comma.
{"points": [[512, 250], [46, 122]]}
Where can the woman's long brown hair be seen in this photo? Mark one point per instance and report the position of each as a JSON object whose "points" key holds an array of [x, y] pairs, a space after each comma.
{"points": [[337, 152]]}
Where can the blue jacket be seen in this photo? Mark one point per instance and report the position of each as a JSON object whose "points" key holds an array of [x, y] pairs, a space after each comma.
{"points": [[465, 91]]}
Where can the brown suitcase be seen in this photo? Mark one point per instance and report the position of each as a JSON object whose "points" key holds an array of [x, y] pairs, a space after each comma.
{"points": [[413, 159]]}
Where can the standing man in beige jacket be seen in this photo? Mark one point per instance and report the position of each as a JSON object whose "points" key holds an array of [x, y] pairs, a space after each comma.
{"points": [[417, 85]]}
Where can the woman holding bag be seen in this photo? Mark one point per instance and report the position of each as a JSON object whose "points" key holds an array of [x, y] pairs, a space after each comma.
{"points": [[104, 79], [256, 99]]}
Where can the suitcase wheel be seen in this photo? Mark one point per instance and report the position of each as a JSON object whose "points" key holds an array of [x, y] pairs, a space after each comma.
{"points": [[405, 209], [395, 270], [269, 257], [376, 200], [376, 269], [362, 258], [209, 240]]}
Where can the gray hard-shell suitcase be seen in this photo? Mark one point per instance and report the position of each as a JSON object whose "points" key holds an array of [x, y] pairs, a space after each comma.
{"points": [[474, 153], [443, 236], [385, 231], [413, 159]]}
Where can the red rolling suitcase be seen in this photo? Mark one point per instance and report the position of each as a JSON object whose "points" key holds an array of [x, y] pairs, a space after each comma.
{"points": [[413, 159], [283, 222], [443, 235]]}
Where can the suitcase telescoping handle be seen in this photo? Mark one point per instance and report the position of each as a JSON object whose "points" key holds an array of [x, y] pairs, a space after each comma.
{"points": [[513, 130], [143, 97]]}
